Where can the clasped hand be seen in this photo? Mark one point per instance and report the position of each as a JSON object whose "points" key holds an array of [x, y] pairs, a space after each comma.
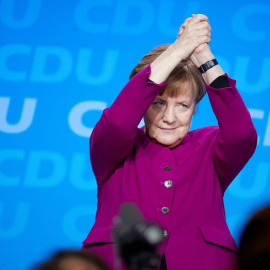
{"points": [[193, 37]]}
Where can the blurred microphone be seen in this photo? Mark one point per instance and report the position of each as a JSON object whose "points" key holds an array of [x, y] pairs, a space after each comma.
{"points": [[136, 240]]}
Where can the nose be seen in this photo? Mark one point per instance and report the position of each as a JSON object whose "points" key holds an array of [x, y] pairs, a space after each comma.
{"points": [[169, 115]]}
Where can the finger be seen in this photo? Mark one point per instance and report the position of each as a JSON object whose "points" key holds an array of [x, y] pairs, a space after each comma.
{"points": [[181, 30], [199, 34], [186, 22], [202, 32], [200, 26], [182, 27], [202, 17], [205, 34], [198, 18], [203, 40]]}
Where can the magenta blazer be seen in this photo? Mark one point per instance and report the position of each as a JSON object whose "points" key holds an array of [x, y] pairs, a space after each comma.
{"points": [[129, 167]]}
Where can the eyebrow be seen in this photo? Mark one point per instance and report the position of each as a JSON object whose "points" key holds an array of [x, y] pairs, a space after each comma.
{"points": [[182, 101], [185, 101], [159, 98]]}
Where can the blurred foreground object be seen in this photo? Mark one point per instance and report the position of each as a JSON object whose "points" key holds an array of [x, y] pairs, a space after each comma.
{"points": [[74, 260], [136, 240], [254, 249]]}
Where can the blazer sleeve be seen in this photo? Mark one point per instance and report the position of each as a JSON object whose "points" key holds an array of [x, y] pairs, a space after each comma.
{"points": [[114, 134], [236, 140]]}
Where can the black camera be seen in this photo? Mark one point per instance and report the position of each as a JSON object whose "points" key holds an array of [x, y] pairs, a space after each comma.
{"points": [[136, 240]]}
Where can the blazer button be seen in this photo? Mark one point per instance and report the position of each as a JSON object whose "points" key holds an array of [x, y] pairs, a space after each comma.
{"points": [[165, 210], [165, 233], [167, 168], [168, 183]]}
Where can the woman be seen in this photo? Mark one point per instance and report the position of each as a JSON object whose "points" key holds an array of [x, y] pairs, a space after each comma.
{"points": [[175, 176]]}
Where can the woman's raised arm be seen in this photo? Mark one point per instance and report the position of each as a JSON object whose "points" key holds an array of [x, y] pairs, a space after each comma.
{"points": [[195, 33]]}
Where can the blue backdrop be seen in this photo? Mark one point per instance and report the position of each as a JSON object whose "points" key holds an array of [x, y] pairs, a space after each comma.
{"points": [[63, 62]]}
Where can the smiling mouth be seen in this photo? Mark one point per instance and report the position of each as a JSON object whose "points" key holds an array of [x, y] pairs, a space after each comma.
{"points": [[168, 129]]}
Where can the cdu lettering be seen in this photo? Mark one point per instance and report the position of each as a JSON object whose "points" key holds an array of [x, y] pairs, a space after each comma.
{"points": [[83, 20], [36, 168], [224, 63], [10, 155], [26, 118], [20, 219], [256, 114], [125, 9], [266, 141], [86, 13], [259, 114], [77, 112], [72, 222], [42, 63], [258, 186], [165, 14], [78, 164], [243, 16], [104, 76], [7, 14], [241, 73], [10, 51]]}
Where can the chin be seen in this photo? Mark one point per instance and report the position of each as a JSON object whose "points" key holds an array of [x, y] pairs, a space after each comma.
{"points": [[168, 143]]}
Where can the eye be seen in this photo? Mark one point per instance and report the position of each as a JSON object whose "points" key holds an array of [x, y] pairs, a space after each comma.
{"points": [[158, 103], [183, 106]]}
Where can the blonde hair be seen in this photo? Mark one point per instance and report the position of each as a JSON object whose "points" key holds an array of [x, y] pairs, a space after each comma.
{"points": [[184, 77]]}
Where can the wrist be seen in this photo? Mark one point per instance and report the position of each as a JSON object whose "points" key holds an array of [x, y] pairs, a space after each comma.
{"points": [[175, 52], [200, 59], [164, 64]]}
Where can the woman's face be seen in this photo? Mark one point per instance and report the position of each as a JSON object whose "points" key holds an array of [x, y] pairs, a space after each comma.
{"points": [[168, 119]]}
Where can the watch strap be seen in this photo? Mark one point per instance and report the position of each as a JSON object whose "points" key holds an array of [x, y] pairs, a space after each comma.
{"points": [[208, 65]]}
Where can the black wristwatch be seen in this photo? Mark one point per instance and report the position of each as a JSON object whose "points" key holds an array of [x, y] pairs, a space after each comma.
{"points": [[208, 65]]}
